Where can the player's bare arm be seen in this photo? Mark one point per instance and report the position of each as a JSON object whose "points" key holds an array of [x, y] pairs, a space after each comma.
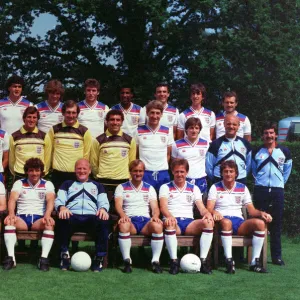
{"points": [[180, 134], [169, 151], [12, 202], [206, 215], [253, 212], [216, 215], [170, 220], [155, 212], [119, 209], [47, 219]]}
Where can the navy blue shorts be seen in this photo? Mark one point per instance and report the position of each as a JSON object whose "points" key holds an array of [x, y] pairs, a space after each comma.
{"points": [[183, 223], [236, 223], [30, 219], [201, 183], [156, 178], [139, 223]]}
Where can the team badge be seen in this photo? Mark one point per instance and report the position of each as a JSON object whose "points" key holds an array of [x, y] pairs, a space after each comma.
{"points": [[60, 118], [146, 197], [189, 198], [100, 113], [219, 124], [44, 116], [170, 118], [105, 151], [19, 148], [202, 152], [24, 192], [123, 152], [144, 137], [206, 120], [41, 195], [76, 144], [163, 139], [94, 191], [280, 160], [238, 199], [183, 150], [39, 149], [127, 196], [243, 150], [57, 141], [134, 120]]}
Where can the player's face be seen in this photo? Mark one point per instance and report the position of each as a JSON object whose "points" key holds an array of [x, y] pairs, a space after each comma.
{"points": [[125, 96], [179, 173], [229, 104], [30, 121], [114, 124], [193, 132], [196, 98], [231, 126], [137, 173], [91, 94], [154, 116], [162, 94], [53, 98], [34, 175], [82, 170], [70, 115], [229, 175], [269, 136], [15, 90]]}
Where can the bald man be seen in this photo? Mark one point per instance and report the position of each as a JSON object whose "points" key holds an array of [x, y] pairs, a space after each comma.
{"points": [[229, 147]]}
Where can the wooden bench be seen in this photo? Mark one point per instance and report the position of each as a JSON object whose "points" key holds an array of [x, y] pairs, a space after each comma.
{"points": [[239, 241]]}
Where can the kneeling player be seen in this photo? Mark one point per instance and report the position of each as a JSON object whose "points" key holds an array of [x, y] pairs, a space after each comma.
{"points": [[82, 207], [225, 201], [177, 199], [34, 198], [133, 200]]}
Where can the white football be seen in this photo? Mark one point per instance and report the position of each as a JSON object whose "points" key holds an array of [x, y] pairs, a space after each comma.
{"points": [[81, 261], [190, 263]]}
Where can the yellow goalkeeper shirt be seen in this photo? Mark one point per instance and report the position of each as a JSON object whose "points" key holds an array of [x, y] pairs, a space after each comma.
{"points": [[24, 145], [112, 154], [69, 143]]}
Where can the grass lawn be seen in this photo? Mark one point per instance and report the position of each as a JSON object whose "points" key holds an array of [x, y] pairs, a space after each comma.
{"points": [[26, 282]]}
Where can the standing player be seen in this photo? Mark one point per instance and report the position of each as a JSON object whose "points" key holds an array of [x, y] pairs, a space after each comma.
{"points": [[112, 153], [70, 142], [193, 149], [230, 102], [29, 142], [229, 147], [177, 199], [133, 200], [206, 116], [271, 168], [13, 106], [50, 110], [92, 112], [170, 113], [34, 199], [82, 206], [225, 201], [130, 111], [154, 145]]}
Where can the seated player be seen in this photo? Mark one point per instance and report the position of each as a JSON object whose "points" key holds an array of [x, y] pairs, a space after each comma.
{"points": [[34, 198], [133, 201], [177, 199], [225, 201], [82, 206]]}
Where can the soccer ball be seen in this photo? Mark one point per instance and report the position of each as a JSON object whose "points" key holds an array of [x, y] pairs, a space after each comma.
{"points": [[190, 263], [81, 261]]}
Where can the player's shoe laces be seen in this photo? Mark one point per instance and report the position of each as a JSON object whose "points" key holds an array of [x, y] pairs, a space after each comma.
{"points": [[97, 264], [205, 268], [8, 263], [127, 266], [230, 266], [65, 262], [257, 267], [174, 267], [156, 268], [43, 264]]}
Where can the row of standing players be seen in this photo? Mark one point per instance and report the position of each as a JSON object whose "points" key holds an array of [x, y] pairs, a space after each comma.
{"points": [[112, 152]]}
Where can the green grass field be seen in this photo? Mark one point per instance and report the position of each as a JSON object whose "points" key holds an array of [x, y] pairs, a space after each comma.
{"points": [[26, 282]]}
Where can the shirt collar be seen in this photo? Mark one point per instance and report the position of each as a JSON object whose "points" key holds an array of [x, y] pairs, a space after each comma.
{"points": [[76, 125], [120, 133], [23, 130]]}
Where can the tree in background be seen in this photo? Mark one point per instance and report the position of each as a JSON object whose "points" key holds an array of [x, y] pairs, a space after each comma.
{"points": [[248, 46]]}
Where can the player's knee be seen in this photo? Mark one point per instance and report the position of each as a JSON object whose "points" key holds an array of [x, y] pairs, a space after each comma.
{"points": [[260, 225], [124, 227], [226, 224], [155, 227], [207, 224]]}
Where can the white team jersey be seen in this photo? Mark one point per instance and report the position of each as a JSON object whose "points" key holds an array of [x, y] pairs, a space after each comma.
{"points": [[194, 153], [131, 118], [244, 129], [32, 199], [153, 146], [136, 201], [229, 202], [11, 114], [49, 116], [206, 116], [4, 146], [2, 189], [93, 117], [180, 201], [169, 117]]}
